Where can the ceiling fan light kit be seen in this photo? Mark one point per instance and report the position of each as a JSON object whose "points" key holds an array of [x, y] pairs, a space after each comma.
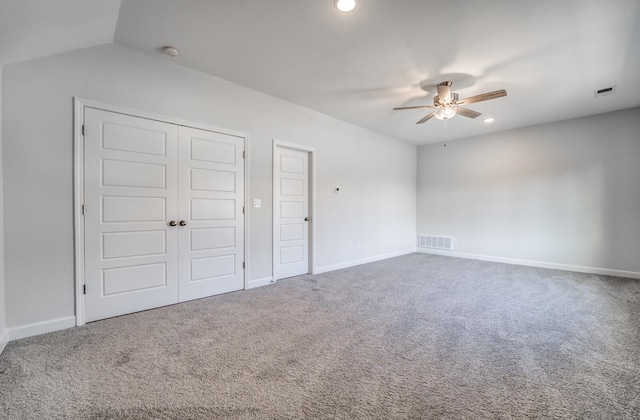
{"points": [[445, 113], [447, 105]]}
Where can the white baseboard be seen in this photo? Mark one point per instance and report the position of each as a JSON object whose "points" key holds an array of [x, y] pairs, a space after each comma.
{"points": [[4, 339], [541, 264], [43, 327], [259, 282], [352, 263]]}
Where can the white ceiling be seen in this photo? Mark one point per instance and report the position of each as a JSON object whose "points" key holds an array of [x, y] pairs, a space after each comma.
{"points": [[37, 28], [549, 55]]}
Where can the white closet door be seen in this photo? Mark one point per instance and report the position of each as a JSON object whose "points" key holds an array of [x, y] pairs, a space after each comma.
{"points": [[291, 210], [211, 200], [130, 188]]}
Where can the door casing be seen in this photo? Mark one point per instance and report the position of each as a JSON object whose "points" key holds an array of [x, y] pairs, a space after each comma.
{"points": [[78, 179]]}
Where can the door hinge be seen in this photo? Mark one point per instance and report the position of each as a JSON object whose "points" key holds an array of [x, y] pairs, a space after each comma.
{"points": [[243, 154], [242, 209], [83, 129], [84, 289], [243, 265], [83, 209]]}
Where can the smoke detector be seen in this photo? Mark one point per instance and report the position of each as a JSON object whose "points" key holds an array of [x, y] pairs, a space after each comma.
{"points": [[170, 51]]}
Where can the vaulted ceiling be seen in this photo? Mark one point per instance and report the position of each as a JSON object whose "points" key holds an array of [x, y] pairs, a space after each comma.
{"points": [[549, 55]]}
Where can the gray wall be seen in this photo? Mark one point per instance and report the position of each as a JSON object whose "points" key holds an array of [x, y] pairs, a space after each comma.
{"points": [[566, 193], [377, 174], [3, 322]]}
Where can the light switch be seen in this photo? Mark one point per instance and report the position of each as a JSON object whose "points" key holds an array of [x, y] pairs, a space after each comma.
{"points": [[257, 203]]}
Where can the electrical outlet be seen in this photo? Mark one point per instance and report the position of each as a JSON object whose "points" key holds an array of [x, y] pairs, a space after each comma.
{"points": [[257, 203]]}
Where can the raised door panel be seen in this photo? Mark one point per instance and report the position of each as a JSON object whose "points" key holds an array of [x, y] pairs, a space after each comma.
{"points": [[118, 173], [212, 238], [133, 244]]}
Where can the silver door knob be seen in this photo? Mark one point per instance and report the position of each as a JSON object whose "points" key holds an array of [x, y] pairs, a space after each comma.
{"points": [[183, 223], [172, 223], [306, 219]]}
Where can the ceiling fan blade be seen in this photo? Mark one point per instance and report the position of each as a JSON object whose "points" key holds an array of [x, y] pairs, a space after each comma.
{"points": [[469, 113], [414, 107], [483, 97], [444, 91], [427, 118]]}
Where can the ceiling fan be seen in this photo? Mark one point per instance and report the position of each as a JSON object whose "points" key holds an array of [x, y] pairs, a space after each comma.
{"points": [[447, 105]]}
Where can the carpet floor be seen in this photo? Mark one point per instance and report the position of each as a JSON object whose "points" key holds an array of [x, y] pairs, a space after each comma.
{"points": [[418, 336]]}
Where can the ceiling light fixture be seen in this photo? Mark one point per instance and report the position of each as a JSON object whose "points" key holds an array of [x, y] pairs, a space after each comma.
{"points": [[488, 120], [445, 113], [170, 51], [345, 5]]}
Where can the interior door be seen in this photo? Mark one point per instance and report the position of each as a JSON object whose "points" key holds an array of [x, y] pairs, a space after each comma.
{"points": [[211, 242], [291, 213], [130, 196]]}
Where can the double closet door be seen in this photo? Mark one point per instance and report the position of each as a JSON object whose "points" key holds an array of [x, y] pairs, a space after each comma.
{"points": [[163, 213]]}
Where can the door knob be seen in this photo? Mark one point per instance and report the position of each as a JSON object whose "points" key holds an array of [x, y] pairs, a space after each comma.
{"points": [[172, 223], [306, 219], [183, 223]]}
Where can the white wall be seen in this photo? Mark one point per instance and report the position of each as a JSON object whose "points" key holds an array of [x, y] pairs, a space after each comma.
{"points": [[3, 323], [377, 174], [566, 193]]}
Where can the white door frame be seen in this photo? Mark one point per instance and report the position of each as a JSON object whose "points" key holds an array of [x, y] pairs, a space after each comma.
{"points": [[79, 105], [312, 201]]}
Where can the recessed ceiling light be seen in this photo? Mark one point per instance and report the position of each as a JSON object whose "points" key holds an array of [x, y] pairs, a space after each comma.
{"points": [[345, 5], [488, 120], [170, 51]]}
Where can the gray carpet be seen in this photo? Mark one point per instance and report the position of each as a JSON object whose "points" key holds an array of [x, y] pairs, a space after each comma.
{"points": [[417, 336]]}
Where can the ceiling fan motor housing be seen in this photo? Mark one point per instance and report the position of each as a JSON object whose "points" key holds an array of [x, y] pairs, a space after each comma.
{"points": [[438, 102]]}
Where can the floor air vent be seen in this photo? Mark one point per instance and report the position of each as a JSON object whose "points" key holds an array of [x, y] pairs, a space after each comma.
{"points": [[435, 242]]}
